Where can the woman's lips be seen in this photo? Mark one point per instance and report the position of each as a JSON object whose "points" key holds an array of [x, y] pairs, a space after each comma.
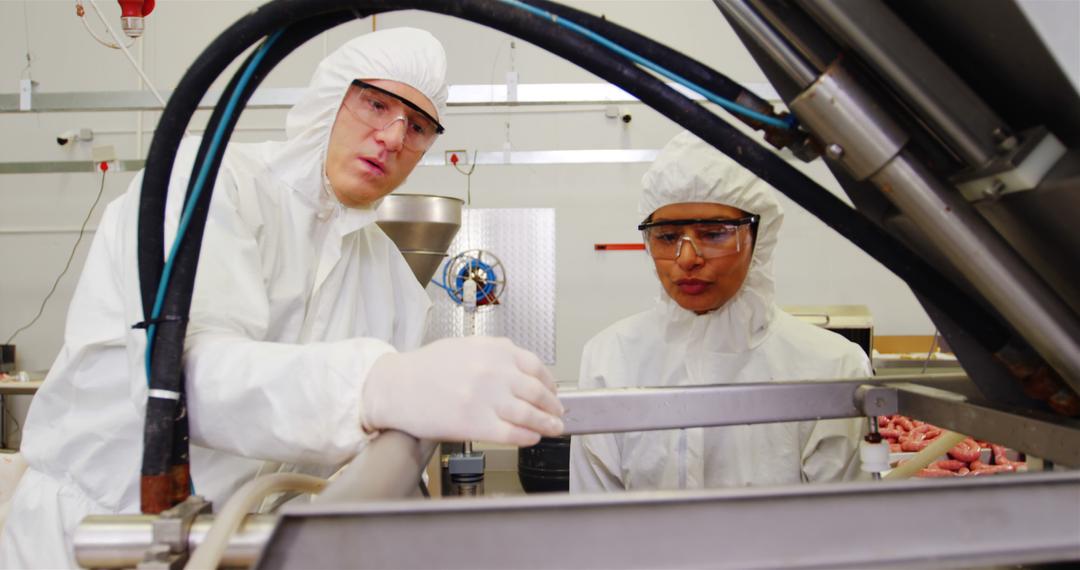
{"points": [[692, 286]]}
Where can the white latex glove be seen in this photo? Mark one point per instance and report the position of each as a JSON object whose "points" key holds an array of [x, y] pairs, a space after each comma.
{"points": [[464, 389]]}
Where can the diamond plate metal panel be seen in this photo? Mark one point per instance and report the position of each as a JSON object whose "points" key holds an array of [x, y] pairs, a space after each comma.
{"points": [[523, 240]]}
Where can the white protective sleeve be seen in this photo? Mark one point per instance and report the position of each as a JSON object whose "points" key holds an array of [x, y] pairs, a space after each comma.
{"points": [[832, 451], [265, 400], [595, 464]]}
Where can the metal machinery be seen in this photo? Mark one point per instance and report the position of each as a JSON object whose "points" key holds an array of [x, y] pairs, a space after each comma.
{"points": [[422, 227], [473, 279], [952, 129]]}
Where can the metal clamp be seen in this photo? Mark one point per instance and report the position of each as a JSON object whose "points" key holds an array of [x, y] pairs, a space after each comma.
{"points": [[466, 472], [876, 400], [1021, 167], [169, 551], [850, 122]]}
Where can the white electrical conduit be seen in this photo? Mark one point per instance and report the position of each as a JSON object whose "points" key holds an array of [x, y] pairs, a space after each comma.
{"points": [[139, 114], [131, 131], [940, 446], [208, 554], [19, 231], [389, 467]]}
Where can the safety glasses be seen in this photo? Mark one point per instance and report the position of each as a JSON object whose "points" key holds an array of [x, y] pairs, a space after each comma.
{"points": [[379, 109], [709, 238]]}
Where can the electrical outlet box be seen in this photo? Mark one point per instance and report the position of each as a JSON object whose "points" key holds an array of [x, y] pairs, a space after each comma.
{"points": [[103, 153], [26, 94], [461, 155]]}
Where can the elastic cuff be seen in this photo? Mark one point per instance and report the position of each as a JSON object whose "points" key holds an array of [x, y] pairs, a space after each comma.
{"points": [[368, 433], [364, 409]]}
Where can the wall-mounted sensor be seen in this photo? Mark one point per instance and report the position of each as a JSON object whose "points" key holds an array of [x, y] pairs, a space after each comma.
{"points": [[615, 112], [67, 137]]}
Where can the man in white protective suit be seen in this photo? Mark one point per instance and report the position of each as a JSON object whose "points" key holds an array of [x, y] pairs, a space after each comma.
{"points": [[710, 229], [306, 322]]}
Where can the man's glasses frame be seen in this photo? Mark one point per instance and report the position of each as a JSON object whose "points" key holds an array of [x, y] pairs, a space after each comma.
{"points": [[439, 129]]}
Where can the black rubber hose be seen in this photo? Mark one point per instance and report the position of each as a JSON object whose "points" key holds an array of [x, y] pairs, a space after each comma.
{"points": [[165, 440], [165, 433], [680, 63]]}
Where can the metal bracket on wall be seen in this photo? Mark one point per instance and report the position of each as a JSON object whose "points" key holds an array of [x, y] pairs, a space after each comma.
{"points": [[67, 166]]}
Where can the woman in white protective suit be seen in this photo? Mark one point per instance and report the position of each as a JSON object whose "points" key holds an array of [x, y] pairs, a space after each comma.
{"points": [[302, 313], [711, 228]]}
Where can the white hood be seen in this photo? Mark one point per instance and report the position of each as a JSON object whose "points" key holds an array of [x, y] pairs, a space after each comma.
{"points": [[691, 170], [406, 55]]}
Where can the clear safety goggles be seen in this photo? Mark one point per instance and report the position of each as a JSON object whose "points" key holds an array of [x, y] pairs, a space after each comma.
{"points": [[379, 109], [709, 238]]}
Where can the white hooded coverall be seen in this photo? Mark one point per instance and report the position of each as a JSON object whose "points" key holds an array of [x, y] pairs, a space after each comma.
{"points": [[748, 339], [295, 298]]}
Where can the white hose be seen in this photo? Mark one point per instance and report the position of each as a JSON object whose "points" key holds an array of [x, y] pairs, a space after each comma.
{"points": [[208, 554], [940, 446], [388, 468]]}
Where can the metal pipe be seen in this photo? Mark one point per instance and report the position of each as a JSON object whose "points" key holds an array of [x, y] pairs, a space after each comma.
{"points": [[1041, 526], [860, 135], [958, 114], [1042, 435], [801, 32], [987, 262], [643, 409], [741, 14], [388, 468], [996, 521], [849, 123], [121, 541]]}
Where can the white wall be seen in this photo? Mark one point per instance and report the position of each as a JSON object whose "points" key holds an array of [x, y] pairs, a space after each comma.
{"points": [[1057, 22], [594, 203]]}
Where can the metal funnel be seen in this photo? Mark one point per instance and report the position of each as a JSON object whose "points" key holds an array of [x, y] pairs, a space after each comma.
{"points": [[422, 227]]}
